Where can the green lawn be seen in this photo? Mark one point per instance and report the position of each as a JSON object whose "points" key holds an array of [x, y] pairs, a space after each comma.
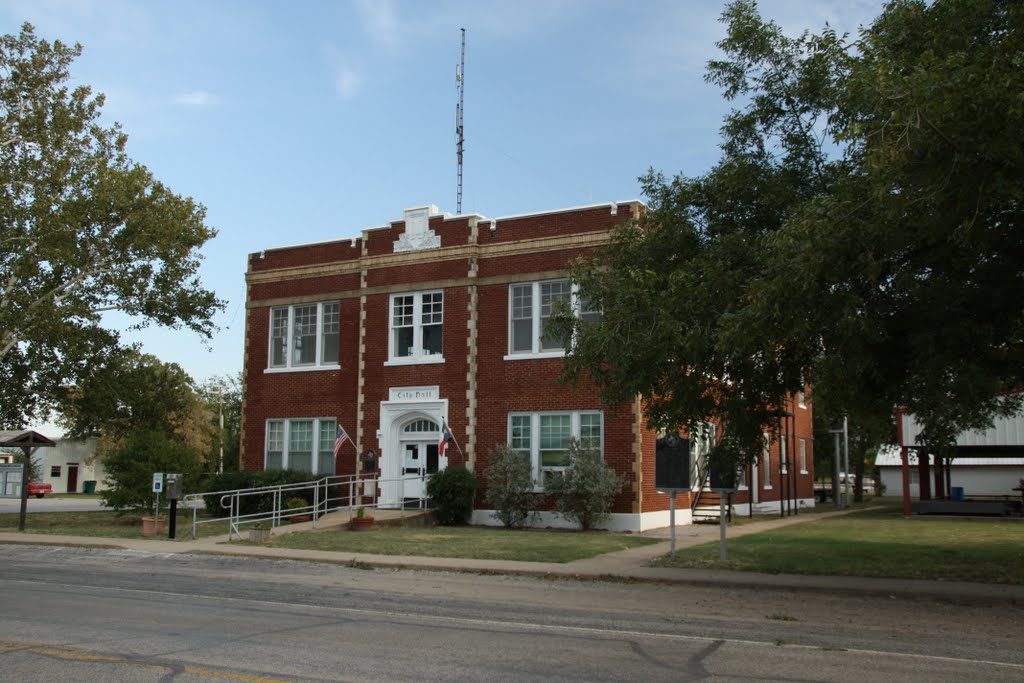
{"points": [[466, 542], [879, 543], [103, 523]]}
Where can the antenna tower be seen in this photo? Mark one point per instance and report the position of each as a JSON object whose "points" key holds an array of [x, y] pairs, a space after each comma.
{"points": [[460, 71]]}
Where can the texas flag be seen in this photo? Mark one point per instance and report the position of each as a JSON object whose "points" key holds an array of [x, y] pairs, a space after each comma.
{"points": [[446, 438]]}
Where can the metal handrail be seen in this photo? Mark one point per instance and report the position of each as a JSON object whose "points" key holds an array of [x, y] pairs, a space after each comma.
{"points": [[351, 495]]}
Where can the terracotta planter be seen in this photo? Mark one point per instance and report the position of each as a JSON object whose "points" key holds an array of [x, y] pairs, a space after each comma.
{"points": [[362, 523], [150, 526], [295, 519]]}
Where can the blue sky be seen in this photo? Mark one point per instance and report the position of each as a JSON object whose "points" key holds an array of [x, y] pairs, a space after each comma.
{"points": [[305, 121]]}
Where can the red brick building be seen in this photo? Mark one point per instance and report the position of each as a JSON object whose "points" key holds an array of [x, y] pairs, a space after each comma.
{"points": [[438, 320]]}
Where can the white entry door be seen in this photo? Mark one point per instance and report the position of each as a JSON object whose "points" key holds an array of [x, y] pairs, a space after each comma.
{"points": [[419, 462]]}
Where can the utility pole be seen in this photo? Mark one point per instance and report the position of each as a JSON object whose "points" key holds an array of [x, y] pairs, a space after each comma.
{"points": [[846, 461], [460, 72], [220, 433]]}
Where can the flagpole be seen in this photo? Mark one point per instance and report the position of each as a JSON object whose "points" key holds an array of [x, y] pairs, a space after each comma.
{"points": [[444, 423]]}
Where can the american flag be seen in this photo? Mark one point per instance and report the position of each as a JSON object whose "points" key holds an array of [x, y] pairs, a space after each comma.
{"points": [[340, 437]]}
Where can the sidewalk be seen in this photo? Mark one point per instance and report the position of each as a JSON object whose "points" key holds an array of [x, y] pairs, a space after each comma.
{"points": [[625, 565]]}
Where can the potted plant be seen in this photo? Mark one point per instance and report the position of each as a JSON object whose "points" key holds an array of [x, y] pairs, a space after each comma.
{"points": [[259, 533], [297, 503], [152, 526], [362, 521]]}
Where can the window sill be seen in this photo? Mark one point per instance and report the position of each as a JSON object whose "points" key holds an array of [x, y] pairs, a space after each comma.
{"points": [[535, 356], [302, 368], [766, 488], [415, 360]]}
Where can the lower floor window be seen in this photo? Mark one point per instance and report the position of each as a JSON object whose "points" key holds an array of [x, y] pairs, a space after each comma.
{"points": [[543, 438], [304, 445]]}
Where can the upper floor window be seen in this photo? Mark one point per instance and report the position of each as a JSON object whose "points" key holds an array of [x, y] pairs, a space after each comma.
{"points": [[531, 305], [542, 439], [417, 322], [304, 335], [306, 445]]}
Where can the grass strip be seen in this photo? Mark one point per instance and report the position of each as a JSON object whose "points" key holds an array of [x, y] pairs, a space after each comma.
{"points": [[479, 543], [104, 524]]}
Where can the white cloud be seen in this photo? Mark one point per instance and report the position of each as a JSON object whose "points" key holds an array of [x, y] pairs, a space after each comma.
{"points": [[346, 81], [194, 98], [380, 19]]}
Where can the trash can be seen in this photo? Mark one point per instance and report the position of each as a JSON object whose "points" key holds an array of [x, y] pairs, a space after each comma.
{"points": [[89, 486], [956, 492]]}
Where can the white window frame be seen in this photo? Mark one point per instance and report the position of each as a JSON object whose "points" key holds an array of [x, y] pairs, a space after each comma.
{"points": [[418, 356], [535, 350], [289, 364], [803, 456], [741, 478], [323, 440], [766, 461], [537, 471], [784, 453]]}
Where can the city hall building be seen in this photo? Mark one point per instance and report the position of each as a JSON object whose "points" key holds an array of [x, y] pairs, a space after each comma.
{"points": [[436, 321]]}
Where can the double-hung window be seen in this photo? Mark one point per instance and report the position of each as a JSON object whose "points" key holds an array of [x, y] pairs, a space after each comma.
{"points": [[304, 336], [766, 461], [531, 305], [803, 456], [417, 325], [543, 438], [305, 445]]}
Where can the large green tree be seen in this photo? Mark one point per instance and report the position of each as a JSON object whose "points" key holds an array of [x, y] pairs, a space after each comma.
{"points": [[83, 230], [860, 232], [132, 392]]}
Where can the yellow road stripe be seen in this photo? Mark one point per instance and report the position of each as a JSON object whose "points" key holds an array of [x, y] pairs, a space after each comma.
{"points": [[80, 654]]}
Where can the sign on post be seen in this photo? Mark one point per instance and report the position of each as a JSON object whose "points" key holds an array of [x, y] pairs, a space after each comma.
{"points": [[10, 480], [158, 482]]}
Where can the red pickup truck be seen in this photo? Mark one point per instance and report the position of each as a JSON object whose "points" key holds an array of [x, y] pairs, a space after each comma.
{"points": [[39, 490]]}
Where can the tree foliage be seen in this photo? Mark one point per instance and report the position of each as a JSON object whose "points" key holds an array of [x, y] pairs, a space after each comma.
{"points": [[83, 229], [584, 491], [130, 469], [861, 232], [135, 392]]}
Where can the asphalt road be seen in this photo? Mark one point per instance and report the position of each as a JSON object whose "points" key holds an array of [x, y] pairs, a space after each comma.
{"points": [[116, 615]]}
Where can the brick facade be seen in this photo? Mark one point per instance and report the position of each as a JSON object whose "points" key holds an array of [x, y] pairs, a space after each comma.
{"points": [[474, 384]]}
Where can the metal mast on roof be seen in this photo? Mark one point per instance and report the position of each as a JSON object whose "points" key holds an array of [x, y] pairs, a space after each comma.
{"points": [[460, 71]]}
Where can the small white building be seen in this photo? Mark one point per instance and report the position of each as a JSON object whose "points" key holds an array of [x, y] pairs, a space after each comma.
{"points": [[977, 476], [984, 462], [70, 464]]}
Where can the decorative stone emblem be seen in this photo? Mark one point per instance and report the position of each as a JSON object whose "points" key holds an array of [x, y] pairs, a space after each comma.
{"points": [[418, 235]]}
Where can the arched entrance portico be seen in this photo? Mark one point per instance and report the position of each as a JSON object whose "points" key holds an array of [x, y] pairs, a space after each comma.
{"points": [[419, 438], [410, 429]]}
